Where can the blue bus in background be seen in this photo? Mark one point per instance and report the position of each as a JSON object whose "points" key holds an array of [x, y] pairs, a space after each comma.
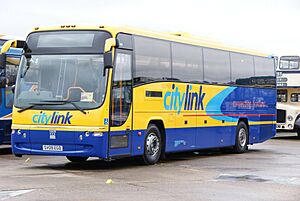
{"points": [[6, 94]]}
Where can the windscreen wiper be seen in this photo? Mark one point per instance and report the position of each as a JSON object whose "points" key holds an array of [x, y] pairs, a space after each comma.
{"points": [[24, 73], [64, 102], [33, 104], [26, 108]]}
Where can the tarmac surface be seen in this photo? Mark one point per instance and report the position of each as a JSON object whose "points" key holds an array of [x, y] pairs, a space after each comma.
{"points": [[268, 171]]}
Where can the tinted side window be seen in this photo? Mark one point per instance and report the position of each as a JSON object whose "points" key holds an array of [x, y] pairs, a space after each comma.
{"points": [[242, 68], [153, 60], [187, 63], [216, 66], [264, 71]]}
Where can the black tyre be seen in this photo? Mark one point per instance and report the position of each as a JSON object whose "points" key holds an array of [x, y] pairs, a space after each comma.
{"points": [[241, 140], [152, 145], [76, 159]]}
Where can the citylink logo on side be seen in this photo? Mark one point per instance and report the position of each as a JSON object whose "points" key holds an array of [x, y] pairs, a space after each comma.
{"points": [[54, 118], [176, 100]]}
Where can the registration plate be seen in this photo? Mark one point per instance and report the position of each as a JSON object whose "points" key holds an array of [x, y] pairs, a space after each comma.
{"points": [[52, 148]]}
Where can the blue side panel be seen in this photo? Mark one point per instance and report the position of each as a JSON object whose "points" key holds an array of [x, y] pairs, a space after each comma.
{"points": [[261, 133], [254, 134], [180, 139], [206, 137], [210, 137], [176, 140], [221, 136], [183, 139]]}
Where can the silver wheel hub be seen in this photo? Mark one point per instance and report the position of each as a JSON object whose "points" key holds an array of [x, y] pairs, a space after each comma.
{"points": [[152, 144], [242, 137]]}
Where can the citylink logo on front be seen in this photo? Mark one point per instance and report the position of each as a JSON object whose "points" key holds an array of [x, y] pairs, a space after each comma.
{"points": [[54, 118], [189, 100]]}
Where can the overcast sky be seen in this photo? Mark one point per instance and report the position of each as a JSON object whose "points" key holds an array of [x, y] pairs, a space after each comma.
{"points": [[270, 26]]}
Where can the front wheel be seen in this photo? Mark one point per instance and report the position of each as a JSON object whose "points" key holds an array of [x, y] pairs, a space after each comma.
{"points": [[241, 140], [76, 159], [152, 145]]}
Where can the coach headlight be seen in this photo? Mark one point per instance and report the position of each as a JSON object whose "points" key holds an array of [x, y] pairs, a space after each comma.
{"points": [[97, 134], [290, 118]]}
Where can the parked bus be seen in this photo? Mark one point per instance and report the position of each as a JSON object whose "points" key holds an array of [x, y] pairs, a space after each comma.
{"points": [[6, 95], [288, 94], [112, 92]]}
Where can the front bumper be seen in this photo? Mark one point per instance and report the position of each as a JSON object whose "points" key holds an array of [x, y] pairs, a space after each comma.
{"points": [[74, 143]]}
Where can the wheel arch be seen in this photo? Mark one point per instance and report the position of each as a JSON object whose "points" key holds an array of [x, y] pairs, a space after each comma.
{"points": [[161, 126], [245, 120], [297, 122]]}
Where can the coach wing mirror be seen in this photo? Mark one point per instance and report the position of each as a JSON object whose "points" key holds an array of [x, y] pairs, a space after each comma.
{"points": [[108, 61], [108, 53]]}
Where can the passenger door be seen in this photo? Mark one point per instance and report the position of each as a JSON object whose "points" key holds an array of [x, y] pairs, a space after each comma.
{"points": [[121, 105]]}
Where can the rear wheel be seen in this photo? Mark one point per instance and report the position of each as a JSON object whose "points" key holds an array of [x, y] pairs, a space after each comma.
{"points": [[152, 145], [76, 159], [241, 140]]}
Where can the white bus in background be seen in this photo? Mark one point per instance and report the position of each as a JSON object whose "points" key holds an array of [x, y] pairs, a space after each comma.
{"points": [[288, 94]]}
